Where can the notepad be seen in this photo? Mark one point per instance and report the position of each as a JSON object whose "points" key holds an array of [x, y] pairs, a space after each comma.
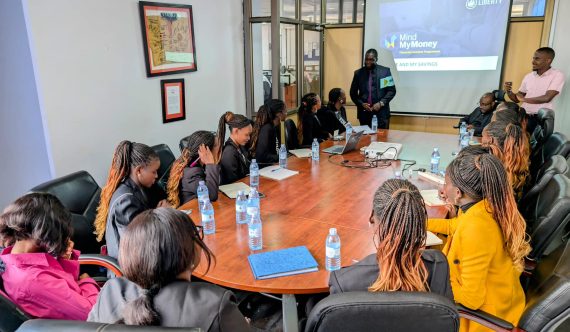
{"points": [[365, 129], [231, 190], [280, 263], [431, 197], [434, 178], [301, 153], [276, 173], [432, 240]]}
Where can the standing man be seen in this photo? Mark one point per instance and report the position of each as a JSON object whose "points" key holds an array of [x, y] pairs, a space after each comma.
{"points": [[539, 87], [371, 90], [481, 116]]}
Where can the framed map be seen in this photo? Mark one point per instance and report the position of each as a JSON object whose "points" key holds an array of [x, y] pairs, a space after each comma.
{"points": [[168, 38]]}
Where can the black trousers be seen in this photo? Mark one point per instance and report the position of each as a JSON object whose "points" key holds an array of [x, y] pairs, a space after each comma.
{"points": [[383, 117]]}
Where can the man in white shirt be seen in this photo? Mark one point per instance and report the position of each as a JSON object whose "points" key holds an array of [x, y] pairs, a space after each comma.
{"points": [[538, 87]]}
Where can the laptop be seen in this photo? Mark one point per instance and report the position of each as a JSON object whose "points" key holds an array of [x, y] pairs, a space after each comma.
{"points": [[349, 146]]}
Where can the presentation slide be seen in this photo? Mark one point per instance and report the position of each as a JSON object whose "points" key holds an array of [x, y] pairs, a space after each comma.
{"points": [[444, 53]]}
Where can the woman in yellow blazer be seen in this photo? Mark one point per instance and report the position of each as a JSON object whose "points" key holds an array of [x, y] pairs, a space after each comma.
{"points": [[486, 242]]}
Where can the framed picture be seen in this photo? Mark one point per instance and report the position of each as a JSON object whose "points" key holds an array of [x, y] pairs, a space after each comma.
{"points": [[168, 38], [173, 103]]}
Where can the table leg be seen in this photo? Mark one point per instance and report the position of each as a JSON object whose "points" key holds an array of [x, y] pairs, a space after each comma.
{"points": [[290, 319]]}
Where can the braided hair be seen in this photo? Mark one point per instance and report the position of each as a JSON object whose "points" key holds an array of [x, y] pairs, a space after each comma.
{"points": [[510, 144], [157, 246], [484, 177], [399, 211], [189, 153], [127, 156], [307, 103], [266, 114], [511, 112], [238, 121]]}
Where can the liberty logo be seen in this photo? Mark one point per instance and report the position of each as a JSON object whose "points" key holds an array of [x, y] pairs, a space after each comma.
{"points": [[471, 4], [390, 43]]}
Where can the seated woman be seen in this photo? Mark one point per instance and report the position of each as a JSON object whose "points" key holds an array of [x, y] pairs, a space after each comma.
{"points": [[401, 262], [235, 159], [309, 126], [158, 253], [509, 142], [264, 143], [195, 164], [511, 112], [486, 242], [333, 116], [42, 272], [129, 191]]}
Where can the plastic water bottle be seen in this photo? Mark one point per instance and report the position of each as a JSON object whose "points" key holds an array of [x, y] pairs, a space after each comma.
{"points": [[374, 123], [254, 175], [241, 208], [283, 156], [315, 149], [255, 232], [202, 193], [464, 141], [332, 259], [462, 130], [253, 203], [348, 131], [435, 157], [208, 221]]}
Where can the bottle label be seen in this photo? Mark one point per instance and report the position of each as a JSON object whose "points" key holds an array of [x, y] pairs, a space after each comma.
{"points": [[254, 231], [241, 208], [435, 160], [252, 210], [332, 252], [207, 217]]}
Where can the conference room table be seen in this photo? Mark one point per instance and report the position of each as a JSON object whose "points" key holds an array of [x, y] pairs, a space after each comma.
{"points": [[336, 191]]}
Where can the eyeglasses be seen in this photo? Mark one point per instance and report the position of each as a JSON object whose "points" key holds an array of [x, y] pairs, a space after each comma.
{"points": [[200, 232]]}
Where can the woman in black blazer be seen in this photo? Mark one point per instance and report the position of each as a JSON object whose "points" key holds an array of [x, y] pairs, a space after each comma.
{"points": [[401, 263], [309, 126], [333, 116], [234, 161], [264, 142]]}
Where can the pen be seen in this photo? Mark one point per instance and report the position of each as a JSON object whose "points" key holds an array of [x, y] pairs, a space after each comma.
{"points": [[195, 162], [275, 170]]}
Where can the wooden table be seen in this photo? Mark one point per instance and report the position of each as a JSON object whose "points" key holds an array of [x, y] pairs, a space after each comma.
{"points": [[301, 209]]}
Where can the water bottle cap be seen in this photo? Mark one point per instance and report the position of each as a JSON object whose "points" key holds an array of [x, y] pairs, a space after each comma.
{"points": [[436, 149], [201, 182], [332, 231], [314, 139], [253, 161], [240, 192]]}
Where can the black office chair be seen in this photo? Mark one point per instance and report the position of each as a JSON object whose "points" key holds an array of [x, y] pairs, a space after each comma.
{"points": [[547, 299], [42, 325], [80, 194], [548, 217], [555, 165], [166, 159], [556, 144], [384, 311], [11, 316], [291, 138], [183, 143], [543, 130]]}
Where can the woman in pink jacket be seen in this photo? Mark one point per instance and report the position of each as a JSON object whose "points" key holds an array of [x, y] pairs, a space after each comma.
{"points": [[41, 268]]}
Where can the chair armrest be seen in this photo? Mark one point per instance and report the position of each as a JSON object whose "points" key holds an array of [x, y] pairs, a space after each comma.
{"points": [[485, 319], [101, 260]]}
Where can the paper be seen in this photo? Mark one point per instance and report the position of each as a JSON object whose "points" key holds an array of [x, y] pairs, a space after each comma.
{"points": [[231, 190], [276, 172], [365, 129], [301, 153], [431, 197], [173, 100], [432, 239]]}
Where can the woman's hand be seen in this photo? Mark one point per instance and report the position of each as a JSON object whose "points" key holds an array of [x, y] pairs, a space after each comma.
{"points": [[206, 155], [69, 249]]}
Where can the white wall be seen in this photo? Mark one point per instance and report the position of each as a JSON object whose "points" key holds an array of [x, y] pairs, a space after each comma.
{"points": [[23, 149], [560, 28], [95, 91]]}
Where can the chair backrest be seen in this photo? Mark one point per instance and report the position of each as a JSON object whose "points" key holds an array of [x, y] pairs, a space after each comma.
{"points": [[555, 165], [548, 297], [549, 216], [556, 144], [80, 194], [36, 325], [166, 159], [183, 143], [11, 316], [291, 138], [544, 128], [384, 311]]}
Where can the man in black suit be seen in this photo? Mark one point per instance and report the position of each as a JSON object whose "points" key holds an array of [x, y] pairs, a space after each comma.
{"points": [[371, 90]]}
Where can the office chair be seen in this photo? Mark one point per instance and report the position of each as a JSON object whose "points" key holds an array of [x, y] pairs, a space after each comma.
{"points": [[384, 311], [166, 159]]}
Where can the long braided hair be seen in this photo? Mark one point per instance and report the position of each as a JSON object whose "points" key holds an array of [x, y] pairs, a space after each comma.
{"points": [[238, 121], [511, 146], [157, 246], [399, 211], [481, 177], [307, 103], [189, 154], [266, 114], [127, 155], [511, 112]]}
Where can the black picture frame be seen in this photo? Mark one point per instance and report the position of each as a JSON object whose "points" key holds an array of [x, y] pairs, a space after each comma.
{"points": [[169, 89]]}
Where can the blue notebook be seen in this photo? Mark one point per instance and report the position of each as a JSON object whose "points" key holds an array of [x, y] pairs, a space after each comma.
{"points": [[284, 262]]}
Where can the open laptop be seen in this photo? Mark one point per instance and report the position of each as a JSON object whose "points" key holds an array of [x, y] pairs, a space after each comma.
{"points": [[349, 146]]}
